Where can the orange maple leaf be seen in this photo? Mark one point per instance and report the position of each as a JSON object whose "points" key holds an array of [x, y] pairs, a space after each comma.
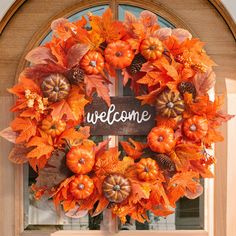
{"points": [[180, 183], [72, 107], [26, 127], [133, 148], [43, 146], [107, 161], [73, 136], [98, 84], [106, 27]]}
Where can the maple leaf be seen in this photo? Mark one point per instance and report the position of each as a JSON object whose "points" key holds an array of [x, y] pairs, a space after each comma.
{"points": [[133, 148], [105, 26], [75, 54], [149, 98], [43, 146], [140, 190], [9, 134], [40, 55], [72, 107], [97, 83], [101, 147], [107, 161], [18, 154], [38, 163], [62, 28], [204, 82], [73, 136], [183, 153], [54, 172], [23, 85], [180, 183], [123, 165], [26, 127], [158, 195]]}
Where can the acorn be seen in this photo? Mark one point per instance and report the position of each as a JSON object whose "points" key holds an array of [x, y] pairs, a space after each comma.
{"points": [[136, 64], [76, 75], [164, 162], [187, 87]]}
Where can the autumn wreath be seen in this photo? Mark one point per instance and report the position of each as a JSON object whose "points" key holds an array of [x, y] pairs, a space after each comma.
{"points": [[164, 67]]}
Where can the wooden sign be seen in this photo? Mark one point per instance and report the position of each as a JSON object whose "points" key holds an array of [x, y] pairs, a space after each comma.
{"points": [[125, 116]]}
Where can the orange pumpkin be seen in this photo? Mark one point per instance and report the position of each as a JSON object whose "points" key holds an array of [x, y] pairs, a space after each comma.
{"points": [[119, 54], [151, 48], [147, 169], [81, 187], [80, 159], [195, 128], [92, 63], [53, 127], [161, 139]]}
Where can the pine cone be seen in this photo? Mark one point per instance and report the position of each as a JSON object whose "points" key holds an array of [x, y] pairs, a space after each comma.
{"points": [[136, 64], [76, 75], [187, 87], [165, 163]]}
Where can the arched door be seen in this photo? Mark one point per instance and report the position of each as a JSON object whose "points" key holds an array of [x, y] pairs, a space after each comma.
{"points": [[195, 217]]}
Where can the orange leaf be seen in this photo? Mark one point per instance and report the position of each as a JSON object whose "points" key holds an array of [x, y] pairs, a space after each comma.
{"points": [[72, 107], [74, 137], [134, 149], [180, 183], [27, 128], [107, 161], [24, 84], [123, 165], [43, 146], [18, 154], [204, 82], [9, 134], [96, 82]]}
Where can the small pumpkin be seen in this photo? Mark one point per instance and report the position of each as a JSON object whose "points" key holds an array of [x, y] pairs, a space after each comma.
{"points": [[80, 159], [169, 104], [195, 128], [55, 87], [81, 187], [116, 188], [52, 126], [92, 63], [161, 139], [147, 169], [151, 48], [119, 54]]}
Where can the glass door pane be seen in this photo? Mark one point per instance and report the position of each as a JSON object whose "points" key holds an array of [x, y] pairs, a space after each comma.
{"points": [[188, 213], [41, 214]]}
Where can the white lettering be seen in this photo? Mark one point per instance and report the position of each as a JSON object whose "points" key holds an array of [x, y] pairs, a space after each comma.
{"points": [[113, 116]]}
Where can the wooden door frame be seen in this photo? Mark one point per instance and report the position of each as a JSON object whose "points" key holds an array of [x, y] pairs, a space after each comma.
{"points": [[222, 206]]}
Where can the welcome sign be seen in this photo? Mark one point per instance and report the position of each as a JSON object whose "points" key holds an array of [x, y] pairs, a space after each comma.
{"points": [[125, 116]]}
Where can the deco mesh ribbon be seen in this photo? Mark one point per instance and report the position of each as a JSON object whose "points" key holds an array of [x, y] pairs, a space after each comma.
{"points": [[166, 68]]}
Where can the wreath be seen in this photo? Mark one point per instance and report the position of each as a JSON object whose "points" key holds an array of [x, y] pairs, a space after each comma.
{"points": [[166, 68]]}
